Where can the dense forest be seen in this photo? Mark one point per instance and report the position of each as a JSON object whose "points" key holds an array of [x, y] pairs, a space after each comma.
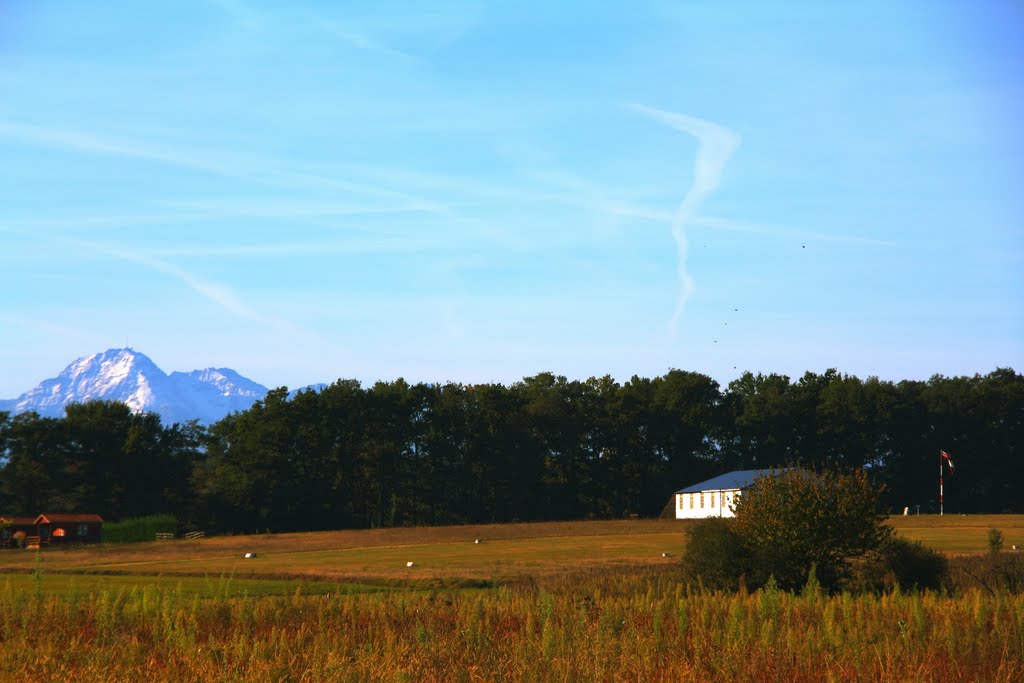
{"points": [[543, 448]]}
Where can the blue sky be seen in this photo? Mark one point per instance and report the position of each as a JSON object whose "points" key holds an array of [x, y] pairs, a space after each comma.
{"points": [[479, 192]]}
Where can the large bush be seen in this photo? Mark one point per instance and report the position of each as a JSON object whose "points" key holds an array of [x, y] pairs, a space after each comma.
{"points": [[715, 553], [913, 564], [786, 524], [795, 519], [904, 563]]}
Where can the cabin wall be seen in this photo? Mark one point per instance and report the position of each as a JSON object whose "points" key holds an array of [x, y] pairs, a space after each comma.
{"points": [[73, 533], [703, 504]]}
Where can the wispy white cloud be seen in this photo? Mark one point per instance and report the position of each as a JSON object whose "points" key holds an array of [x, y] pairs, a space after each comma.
{"points": [[287, 207], [215, 292], [778, 231], [359, 189], [379, 27], [220, 294], [355, 39], [46, 326], [301, 248], [714, 223], [244, 14], [261, 171], [355, 238], [280, 175], [92, 143], [360, 35], [112, 220], [715, 144]]}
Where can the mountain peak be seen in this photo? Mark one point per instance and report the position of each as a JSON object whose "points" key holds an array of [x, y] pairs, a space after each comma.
{"points": [[114, 363], [129, 376]]}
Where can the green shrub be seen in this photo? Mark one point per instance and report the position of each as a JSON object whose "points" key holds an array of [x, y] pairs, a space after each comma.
{"points": [[136, 529], [715, 553], [904, 563], [995, 540]]}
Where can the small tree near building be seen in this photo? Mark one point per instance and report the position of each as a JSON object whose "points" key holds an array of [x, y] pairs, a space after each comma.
{"points": [[795, 520], [787, 525]]}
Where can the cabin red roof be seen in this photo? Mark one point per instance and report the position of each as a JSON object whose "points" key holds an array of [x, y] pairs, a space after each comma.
{"points": [[61, 518], [19, 521]]}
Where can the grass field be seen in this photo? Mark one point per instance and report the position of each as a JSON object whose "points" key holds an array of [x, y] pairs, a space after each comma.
{"points": [[70, 585], [960, 533], [530, 602], [505, 552], [597, 625]]}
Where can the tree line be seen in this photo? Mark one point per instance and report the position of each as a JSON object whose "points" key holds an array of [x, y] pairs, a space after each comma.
{"points": [[394, 453]]}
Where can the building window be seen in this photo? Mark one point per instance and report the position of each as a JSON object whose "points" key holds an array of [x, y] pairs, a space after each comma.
{"points": [[691, 497], [713, 496], [702, 499], [83, 530]]}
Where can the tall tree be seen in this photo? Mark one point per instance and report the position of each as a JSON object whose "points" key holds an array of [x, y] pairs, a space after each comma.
{"points": [[765, 430]]}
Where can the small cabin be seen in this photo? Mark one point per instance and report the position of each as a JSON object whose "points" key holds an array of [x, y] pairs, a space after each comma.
{"points": [[67, 529], [14, 528]]}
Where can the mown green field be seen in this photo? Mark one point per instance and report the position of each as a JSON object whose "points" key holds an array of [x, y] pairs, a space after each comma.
{"points": [[960, 533]]}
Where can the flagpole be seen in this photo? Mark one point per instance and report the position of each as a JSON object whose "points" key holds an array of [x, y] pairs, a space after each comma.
{"points": [[940, 483]]}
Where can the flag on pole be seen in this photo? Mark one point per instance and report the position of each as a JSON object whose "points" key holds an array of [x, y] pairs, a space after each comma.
{"points": [[949, 460]]}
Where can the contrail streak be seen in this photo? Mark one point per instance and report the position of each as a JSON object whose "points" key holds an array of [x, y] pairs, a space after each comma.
{"points": [[715, 145]]}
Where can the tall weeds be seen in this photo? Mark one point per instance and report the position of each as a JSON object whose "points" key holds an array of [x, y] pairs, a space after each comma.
{"points": [[600, 626]]}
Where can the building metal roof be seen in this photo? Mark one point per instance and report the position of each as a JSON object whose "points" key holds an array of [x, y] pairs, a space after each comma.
{"points": [[739, 479]]}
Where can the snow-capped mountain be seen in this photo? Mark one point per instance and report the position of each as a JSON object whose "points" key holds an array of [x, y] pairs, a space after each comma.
{"points": [[217, 391], [131, 377]]}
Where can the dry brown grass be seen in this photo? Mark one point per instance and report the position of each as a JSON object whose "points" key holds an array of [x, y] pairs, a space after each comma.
{"points": [[594, 626], [506, 550], [597, 602]]}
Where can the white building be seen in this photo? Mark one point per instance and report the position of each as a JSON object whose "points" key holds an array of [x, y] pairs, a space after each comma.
{"points": [[716, 497]]}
